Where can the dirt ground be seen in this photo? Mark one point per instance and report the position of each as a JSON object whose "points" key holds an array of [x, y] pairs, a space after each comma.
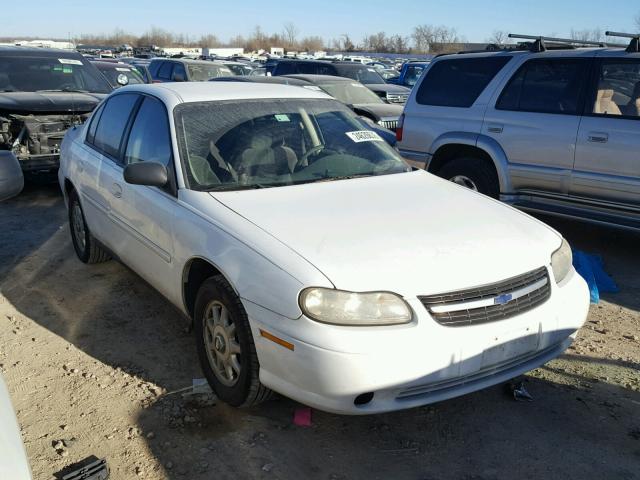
{"points": [[91, 355]]}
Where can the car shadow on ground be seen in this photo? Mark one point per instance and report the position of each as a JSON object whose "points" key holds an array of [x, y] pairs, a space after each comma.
{"points": [[575, 427]]}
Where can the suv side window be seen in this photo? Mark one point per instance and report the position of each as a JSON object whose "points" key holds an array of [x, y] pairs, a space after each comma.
{"points": [[149, 140], [113, 122], [546, 86], [164, 73], [308, 68], [179, 69], [459, 82], [285, 68], [617, 89]]}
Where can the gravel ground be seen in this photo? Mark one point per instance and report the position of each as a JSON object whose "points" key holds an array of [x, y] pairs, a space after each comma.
{"points": [[92, 354]]}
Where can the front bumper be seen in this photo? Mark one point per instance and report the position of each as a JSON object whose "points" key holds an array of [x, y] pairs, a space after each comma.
{"points": [[415, 364], [40, 163]]}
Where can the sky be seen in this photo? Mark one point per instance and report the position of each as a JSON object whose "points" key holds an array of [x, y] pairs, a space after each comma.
{"points": [[473, 20]]}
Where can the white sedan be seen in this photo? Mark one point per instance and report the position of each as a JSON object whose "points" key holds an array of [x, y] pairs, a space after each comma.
{"points": [[313, 261]]}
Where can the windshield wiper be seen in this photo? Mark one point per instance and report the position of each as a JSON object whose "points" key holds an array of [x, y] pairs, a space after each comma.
{"points": [[229, 187], [331, 179], [70, 90]]}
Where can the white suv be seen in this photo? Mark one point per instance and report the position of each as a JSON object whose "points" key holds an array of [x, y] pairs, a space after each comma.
{"points": [[553, 129], [294, 238]]}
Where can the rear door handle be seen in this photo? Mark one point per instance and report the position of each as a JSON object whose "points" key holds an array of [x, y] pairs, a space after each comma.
{"points": [[598, 137], [116, 190], [495, 128]]}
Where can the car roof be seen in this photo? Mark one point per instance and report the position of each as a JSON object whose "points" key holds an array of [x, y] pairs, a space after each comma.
{"points": [[112, 65], [174, 93], [186, 60], [10, 50], [319, 78], [549, 53]]}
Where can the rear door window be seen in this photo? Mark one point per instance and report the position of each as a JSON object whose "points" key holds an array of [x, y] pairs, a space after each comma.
{"points": [[164, 73], [285, 68], [458, 82], [113, 123], [95, 118], [546, 86]]}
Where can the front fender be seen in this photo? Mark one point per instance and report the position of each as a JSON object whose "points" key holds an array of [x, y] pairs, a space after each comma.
{"points": [[487, 144]]}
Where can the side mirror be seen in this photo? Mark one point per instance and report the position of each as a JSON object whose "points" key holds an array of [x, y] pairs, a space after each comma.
{"points": [[178, 77], [146, 173]]}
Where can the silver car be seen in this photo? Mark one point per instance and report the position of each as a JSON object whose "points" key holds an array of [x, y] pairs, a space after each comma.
{"points": [[13, 459], [550, 127]]}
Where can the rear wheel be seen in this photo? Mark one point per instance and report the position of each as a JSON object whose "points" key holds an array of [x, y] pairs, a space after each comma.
{"points": [[473, 173], [86, 246], [225, 345]]}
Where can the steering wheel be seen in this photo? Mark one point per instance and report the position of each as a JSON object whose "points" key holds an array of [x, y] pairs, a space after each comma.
{"points": [[313, 151]]}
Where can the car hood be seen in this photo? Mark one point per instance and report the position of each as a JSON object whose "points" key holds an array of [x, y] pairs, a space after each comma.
{"points": [[48, 102], [380, 110], [387, 88], [411, 233]]}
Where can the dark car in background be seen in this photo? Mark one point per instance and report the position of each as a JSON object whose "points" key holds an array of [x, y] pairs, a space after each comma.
{"points": [[43, 92], [382, 117], [186, 70], [357, 97], [367, 75], [119, 74]]}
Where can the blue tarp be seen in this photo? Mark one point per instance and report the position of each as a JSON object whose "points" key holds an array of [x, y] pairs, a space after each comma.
{"points": [[590, 267]]}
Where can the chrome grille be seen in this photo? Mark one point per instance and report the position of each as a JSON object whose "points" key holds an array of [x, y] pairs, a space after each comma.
{"points": [[390, 124], [397, 97], [490, 303]]}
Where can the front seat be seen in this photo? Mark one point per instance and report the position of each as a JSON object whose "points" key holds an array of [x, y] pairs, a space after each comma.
{"points": [[261, 159], [632, 108], [604, 102]]}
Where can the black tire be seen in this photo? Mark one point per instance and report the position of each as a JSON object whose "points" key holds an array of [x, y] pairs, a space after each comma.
{"points": [[474, 169], [247, 389], [89, 251]]}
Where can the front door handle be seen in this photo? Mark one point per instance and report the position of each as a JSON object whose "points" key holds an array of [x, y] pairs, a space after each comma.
{"points": [[116, 190], [495, 128], [598, 137]]}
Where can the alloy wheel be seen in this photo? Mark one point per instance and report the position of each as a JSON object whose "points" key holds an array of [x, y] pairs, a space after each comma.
{"points": [[222, 344]]}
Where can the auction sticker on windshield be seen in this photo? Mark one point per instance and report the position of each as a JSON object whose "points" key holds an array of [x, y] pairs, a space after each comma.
{"points": [[364, 136], [69, 61]]}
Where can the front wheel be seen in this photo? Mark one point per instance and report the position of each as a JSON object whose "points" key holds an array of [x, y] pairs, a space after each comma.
{"points": [[84, 243], [225, 345], [473, 173]]}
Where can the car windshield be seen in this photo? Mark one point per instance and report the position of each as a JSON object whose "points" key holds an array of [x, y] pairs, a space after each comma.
{"points": [[235, 145], [239, 69], [34, 74], [362, 74], [202, 73], [350, 93], [120, 76]]}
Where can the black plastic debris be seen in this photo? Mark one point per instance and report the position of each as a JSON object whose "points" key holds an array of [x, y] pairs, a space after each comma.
{"points": [[519, 392], [91, 468]]}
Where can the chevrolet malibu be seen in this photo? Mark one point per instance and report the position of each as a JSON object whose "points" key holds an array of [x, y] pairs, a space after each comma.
{"points": [[311, 259]]}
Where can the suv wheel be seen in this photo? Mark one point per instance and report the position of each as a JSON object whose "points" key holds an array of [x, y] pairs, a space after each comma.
{"points": [[472, 173], [84, 243], [225, 345]]}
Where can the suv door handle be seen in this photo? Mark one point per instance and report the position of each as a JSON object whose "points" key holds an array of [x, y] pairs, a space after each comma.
{"points": [[495, 128], [116, 190], [598, 137]]}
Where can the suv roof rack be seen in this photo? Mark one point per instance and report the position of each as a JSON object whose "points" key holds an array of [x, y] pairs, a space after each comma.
{"points": [[634, 43], [538, 44]]}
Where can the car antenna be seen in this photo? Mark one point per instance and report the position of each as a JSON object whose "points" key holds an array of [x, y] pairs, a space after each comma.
{"points": [[634, 43]]}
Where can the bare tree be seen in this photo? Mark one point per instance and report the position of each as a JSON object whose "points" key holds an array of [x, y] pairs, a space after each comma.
{"points": [[587, 35], [498, 37], [435, 39], [290, 34]]}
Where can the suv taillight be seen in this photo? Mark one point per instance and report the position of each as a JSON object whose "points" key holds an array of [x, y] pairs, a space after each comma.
{"points": [[399, 128]]}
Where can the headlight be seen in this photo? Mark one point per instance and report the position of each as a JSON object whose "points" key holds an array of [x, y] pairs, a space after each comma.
{"points": [[350, 308], [561, 261]]}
